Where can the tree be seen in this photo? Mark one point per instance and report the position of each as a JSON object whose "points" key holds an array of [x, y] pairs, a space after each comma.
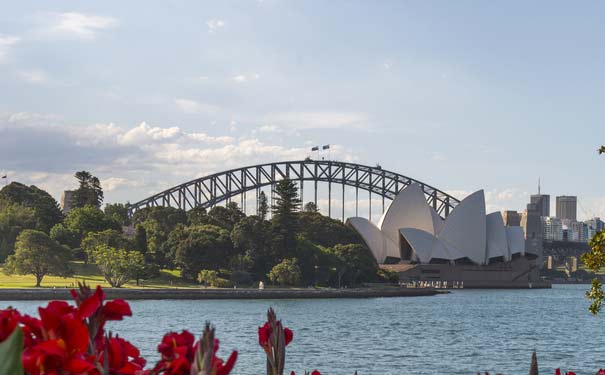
{"points": [[66, 236], [310, 207], [118, 266], [355, 264], [36, 253], [45, 206], [108, 237], [118, 212], [595, 261], [251, 238], [140, 239], [225, 217], [263, 207], [325, 231], [83, 220], [159, 223], [207, 277], [197, 216], [284, 220], [203, 247], [89, 191], [286, 273], [14, 218]]}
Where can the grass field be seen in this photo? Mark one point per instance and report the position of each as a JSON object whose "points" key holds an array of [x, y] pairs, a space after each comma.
{"points": [[90, 274]]}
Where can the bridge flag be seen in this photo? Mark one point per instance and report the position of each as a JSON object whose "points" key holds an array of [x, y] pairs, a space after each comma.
{"points": [[316, 148], [325, 147]]}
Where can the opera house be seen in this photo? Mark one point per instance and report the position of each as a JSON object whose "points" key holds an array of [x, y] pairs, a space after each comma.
{"points": [[466, 247]]}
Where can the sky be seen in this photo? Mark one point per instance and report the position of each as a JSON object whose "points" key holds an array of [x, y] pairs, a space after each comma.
{"points": [[461, 95]]}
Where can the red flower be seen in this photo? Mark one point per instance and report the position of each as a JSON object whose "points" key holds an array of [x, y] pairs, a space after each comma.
{"points": [[315, 372], [123, 357], [116, 310], [289, 335], [264, 334], [8, 322], [224, 368], [177, 352]]}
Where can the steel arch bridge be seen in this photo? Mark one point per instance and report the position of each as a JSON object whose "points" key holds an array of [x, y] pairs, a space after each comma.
{"points": [[210, 190]]}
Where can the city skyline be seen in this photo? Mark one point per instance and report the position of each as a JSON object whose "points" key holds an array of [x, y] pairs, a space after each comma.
{"points": [[86, 88]]}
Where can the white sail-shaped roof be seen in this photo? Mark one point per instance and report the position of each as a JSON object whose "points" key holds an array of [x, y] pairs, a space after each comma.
{"points": [[464, 229], [421, 242], [408, 210], [380, 246], [497, 241]]}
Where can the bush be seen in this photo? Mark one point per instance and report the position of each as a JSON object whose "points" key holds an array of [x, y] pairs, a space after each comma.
{"points": [[212, 278], [286, 273]]}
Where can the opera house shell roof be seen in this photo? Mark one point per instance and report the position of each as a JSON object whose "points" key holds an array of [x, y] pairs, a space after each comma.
{"points": [[411, 230]]}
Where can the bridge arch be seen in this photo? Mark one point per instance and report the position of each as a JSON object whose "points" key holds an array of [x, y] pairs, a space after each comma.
{"points": [[222, 186]]}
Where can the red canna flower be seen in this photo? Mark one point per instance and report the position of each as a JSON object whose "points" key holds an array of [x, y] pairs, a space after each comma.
{"points": [[123, 357], [177, 352], [206, 361], [116, 310], [288, 334], [9, 319], [315, 372]]}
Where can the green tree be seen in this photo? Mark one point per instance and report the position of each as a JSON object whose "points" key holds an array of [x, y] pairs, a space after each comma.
{"points": [[14, 218], [89, 192], [140, 239], [325, 231], [46, 207], [225, 217], [203, 247], [118, 266], [263, 207], [197, 216], [118, 212], [355, 264], [207, 277], [83, 220], [108, 237], [36, 253], [286, 273], [595, 261], [158, 223], [285, 220], [66, 236], [250, 237], [310, 207]]}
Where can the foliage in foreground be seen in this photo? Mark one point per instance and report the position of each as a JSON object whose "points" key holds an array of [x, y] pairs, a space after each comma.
{"points": [[72, 340]]}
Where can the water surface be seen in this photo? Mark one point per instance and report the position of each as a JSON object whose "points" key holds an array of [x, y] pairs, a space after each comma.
{"points": [[459, 333]]}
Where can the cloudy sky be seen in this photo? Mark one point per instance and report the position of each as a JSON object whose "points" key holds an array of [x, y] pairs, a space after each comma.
{"points": [[462, 95]]}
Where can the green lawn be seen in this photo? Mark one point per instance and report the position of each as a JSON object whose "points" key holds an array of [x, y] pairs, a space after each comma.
{"points": [[90, 274]]}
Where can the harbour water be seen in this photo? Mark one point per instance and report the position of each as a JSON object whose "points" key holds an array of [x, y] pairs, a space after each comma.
{"points": [[458, 333]]}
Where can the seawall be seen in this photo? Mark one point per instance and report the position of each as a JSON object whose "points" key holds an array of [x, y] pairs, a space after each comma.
{"points": [[33, 294]]}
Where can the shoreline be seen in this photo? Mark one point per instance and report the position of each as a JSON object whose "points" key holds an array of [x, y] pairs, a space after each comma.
{"points": [[35, 294]]}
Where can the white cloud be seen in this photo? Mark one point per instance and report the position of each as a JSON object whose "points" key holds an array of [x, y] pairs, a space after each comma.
{"points": [[241, 78], [131, 162], [35, 76], [6, 43], [215, 24], [318, 120], [77, 24], [193, 107]]}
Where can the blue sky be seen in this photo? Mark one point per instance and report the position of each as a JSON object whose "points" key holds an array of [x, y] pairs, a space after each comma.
{"points": [[462, 95]]}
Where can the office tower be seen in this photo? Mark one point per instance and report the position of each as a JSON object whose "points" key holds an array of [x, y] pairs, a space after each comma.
{"points": [[511, 218], [542, 202], [567, 207]]}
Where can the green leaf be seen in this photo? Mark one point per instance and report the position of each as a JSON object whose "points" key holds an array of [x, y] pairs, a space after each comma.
{"points": [[10, 354]]}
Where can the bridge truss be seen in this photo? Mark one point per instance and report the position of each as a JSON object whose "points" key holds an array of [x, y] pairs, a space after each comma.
{"points": [[224, 186]]}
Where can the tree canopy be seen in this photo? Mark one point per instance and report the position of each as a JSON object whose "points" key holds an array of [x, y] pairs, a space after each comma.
{"points": [[36, 253], [45, 206], [89, 191], [202, 247], [118, 266]]}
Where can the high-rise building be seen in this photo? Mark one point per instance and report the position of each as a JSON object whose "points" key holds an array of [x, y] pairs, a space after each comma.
{"points": [[511, 218], [552, 228], [593, 226], [567, 207], [530, 221], [542, 202]]}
